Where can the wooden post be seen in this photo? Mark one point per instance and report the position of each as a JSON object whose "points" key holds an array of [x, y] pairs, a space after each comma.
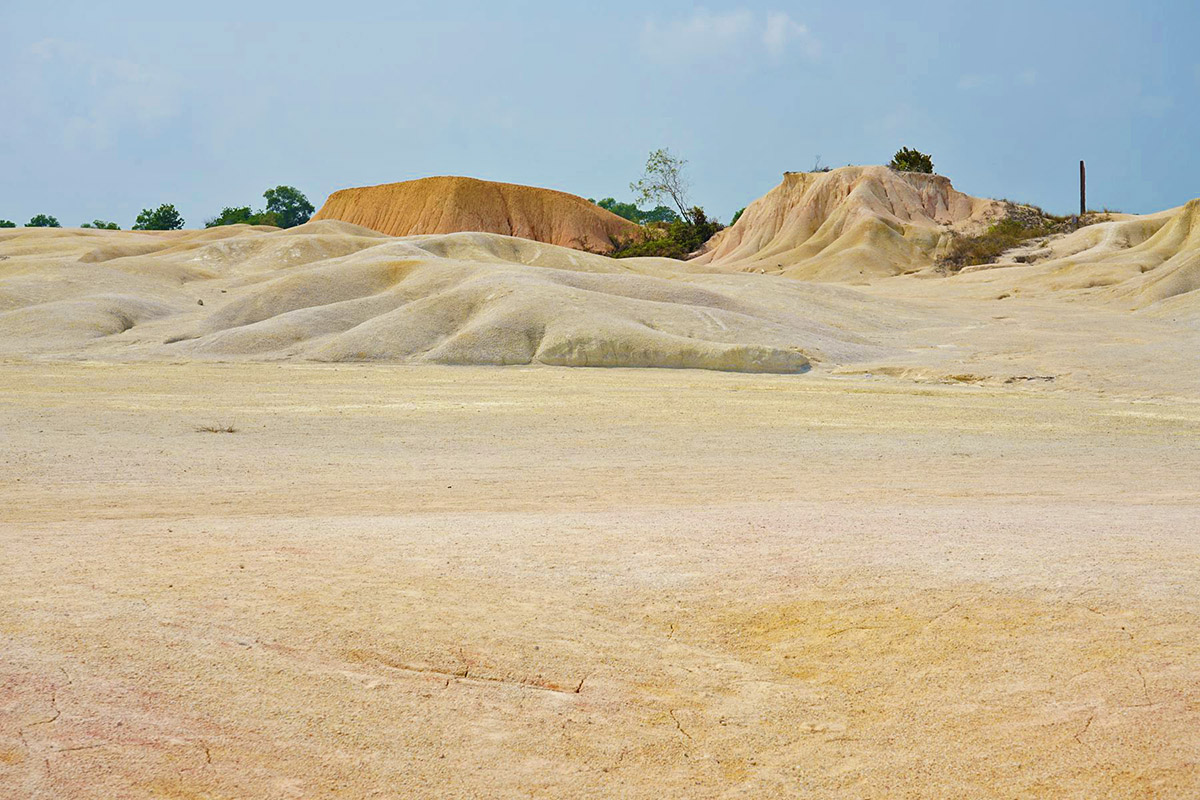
{"points": [[1082, 189]]}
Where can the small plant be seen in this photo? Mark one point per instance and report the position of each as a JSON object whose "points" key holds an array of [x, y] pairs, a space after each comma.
{"points": [[43, 221], [163, 218], [216, 429], [909, 160]]}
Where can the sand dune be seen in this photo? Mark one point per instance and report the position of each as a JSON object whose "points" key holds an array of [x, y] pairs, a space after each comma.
{"points": [[452, 204], [1134, 263], [854, 224], [334, 291], [329, 291]]}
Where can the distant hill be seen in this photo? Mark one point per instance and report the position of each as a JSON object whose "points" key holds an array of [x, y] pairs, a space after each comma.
{"points": [[453, 205]]}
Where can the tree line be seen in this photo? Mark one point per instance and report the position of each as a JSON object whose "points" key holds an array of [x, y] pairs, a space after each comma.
{"points": [[286, 207]]}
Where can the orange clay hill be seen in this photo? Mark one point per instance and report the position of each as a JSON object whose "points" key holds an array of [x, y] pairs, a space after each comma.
{"points": [[451, 204]]}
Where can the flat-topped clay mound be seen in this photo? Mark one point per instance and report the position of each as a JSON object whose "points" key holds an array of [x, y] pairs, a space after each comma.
{"points": [[852, 224], [453, 205]]}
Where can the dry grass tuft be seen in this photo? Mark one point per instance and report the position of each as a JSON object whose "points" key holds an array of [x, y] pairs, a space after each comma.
{"points": [[216, 429]]}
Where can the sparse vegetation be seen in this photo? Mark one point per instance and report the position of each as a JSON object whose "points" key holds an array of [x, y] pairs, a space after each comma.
{"points": [[216, 429], [1021, 224], [163, 218], [43, 221], [101, 225], [911, 160]]}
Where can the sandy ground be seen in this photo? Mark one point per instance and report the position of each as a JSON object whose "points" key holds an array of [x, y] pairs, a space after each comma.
{"points": [[545, 582]]}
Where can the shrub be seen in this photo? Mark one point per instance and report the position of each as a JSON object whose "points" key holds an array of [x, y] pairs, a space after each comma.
{"points": [[163, 218], [7, 223], [907, 160], [736, 217], [101, 225], [43, 221]]}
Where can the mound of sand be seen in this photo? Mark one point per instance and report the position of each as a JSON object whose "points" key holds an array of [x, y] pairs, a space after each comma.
{"points": [[1146, 263], [331, 291], [853, 224], [451, 205]]}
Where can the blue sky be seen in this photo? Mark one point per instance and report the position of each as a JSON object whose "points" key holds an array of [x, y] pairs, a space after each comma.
{"points": [[110, 108]]}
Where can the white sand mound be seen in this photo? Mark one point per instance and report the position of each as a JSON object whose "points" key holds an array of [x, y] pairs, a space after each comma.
{"points": [[1134, 263], [853, 224], [453, 204], [330, 291]]}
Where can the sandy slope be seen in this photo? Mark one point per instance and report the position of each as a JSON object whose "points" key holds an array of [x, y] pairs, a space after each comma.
{"points": [[854, 224], [471, 582], [453, 204], [329, 291]]}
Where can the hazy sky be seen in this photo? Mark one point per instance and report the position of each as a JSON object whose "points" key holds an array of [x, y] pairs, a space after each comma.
{"points": [[106, 108]]}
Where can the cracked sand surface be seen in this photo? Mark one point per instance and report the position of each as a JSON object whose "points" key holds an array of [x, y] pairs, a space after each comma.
{"points": [[474, 582]]}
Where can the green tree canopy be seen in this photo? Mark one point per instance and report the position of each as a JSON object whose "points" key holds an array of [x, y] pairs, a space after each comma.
{"points": [[102, 225], [907, 160], [243, 215], [163, 218], [634, 214], [289, 205], [736, 217], [7, 223], [43, 221]]}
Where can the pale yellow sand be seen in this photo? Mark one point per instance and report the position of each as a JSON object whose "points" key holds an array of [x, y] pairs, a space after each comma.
{"points": [[951, 550], [515, 582]]}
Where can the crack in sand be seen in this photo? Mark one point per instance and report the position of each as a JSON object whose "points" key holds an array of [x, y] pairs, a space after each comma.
{"points": [[1084, 729], [678, 726]]}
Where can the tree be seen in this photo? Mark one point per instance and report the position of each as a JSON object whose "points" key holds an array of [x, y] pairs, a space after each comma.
{"points": [[243, 215], [907, 160], [627, 210], [239, 215], [289, 205], [163, 218], [659, 214], [101, 225], [662, 179], [634, 214], [43, 221], [736, 217], [7, 223]]}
